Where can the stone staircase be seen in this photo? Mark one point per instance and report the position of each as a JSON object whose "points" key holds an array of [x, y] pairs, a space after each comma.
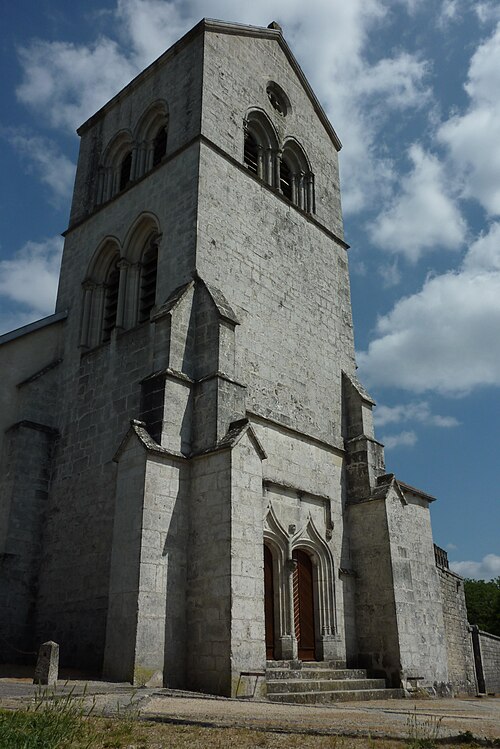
{"points": [[309, 683]]}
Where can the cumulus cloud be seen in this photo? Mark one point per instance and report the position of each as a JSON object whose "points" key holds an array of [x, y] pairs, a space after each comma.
{"points": [[472, 138], [487, 569], [52, 167], [66, 83], [445, 337], [417, 411], [29, 280], [424, 215], [403, 439]]}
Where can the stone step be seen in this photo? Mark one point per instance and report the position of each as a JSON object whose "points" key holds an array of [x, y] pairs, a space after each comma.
{"points": [[273, 674], [343, 695], [325, 685], [294, 665]]}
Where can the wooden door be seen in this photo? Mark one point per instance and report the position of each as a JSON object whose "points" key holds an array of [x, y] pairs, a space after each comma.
{"points": [[303, 606], [269, 603]]}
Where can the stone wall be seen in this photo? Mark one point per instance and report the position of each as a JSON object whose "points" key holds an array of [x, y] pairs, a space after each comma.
{"points": [[461, 671], [487, 657]]}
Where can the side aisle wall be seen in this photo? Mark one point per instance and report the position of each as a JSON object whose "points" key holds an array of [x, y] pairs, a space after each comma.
{"points": [[461, 670]]}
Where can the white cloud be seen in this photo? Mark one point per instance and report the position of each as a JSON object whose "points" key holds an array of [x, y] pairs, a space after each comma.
{"points": [[66, 83], [403, 439], [29, 280], [52, 167], [445, 337], [487, 569], [396, 82], [449, 12], [472, 138], [424, 215], [417, 411], [487, 11], [390, 274], [451, 547]]}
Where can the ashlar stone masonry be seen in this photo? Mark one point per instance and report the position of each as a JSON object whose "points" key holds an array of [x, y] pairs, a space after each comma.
{"points": [[190, 479]]}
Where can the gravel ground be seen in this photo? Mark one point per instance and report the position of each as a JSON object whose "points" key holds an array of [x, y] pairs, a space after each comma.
{"points": [[388, 718]]}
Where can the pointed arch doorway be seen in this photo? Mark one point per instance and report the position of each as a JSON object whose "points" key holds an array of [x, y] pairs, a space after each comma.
{"points": [[303, 606], [269, 603]]}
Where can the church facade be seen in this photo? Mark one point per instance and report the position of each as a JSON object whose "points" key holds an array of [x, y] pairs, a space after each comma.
{"points": [[190, 482]]}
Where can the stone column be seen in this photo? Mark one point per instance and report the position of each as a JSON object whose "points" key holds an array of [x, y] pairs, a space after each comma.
{"points": [[277, 168], [100, 187], [301, 190], [310, 192], [149, 155], [260, 163], [134, 281], [95, 331], [133, 167], [88, 290], [122, 292], [291, 566]]}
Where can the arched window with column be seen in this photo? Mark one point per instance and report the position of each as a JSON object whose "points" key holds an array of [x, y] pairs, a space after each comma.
{"points": [[101, 295], [151, 137], [141, 250], [115, 170], [296, 177], [261, 147]]}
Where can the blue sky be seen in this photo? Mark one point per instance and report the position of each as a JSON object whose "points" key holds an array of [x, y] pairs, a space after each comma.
{"points": [[412, 89]]}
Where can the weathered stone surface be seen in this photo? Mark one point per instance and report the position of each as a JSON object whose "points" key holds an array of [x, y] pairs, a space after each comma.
{"points": [[47, 664], [141, 545]]}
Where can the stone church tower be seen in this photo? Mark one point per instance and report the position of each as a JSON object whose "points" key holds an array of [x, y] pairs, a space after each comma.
{"points": [[190, 478]]}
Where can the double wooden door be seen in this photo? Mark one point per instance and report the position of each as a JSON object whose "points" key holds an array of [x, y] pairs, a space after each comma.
{"points": [[303, 605]]}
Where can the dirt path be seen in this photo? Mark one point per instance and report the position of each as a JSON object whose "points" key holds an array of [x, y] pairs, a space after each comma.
{"points": [[389, 718]]}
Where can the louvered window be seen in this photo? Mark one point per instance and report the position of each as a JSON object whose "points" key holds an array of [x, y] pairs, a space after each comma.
{"points": [[285, 180], [125, 169], [160, 145], [110, 302], [148, 282], [251, 153]]}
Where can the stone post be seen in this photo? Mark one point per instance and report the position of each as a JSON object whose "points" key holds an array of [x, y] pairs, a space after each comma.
{"points": [[47, 664]]}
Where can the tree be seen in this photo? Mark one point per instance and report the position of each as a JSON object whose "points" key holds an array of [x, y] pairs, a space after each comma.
{"points": [[483, 604]]}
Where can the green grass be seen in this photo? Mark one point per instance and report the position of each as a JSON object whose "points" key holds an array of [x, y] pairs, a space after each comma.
{"points": [[52, 722]]}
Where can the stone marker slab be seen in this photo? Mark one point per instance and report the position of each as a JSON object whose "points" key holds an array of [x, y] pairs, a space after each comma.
{"points": [[47, 664]]}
